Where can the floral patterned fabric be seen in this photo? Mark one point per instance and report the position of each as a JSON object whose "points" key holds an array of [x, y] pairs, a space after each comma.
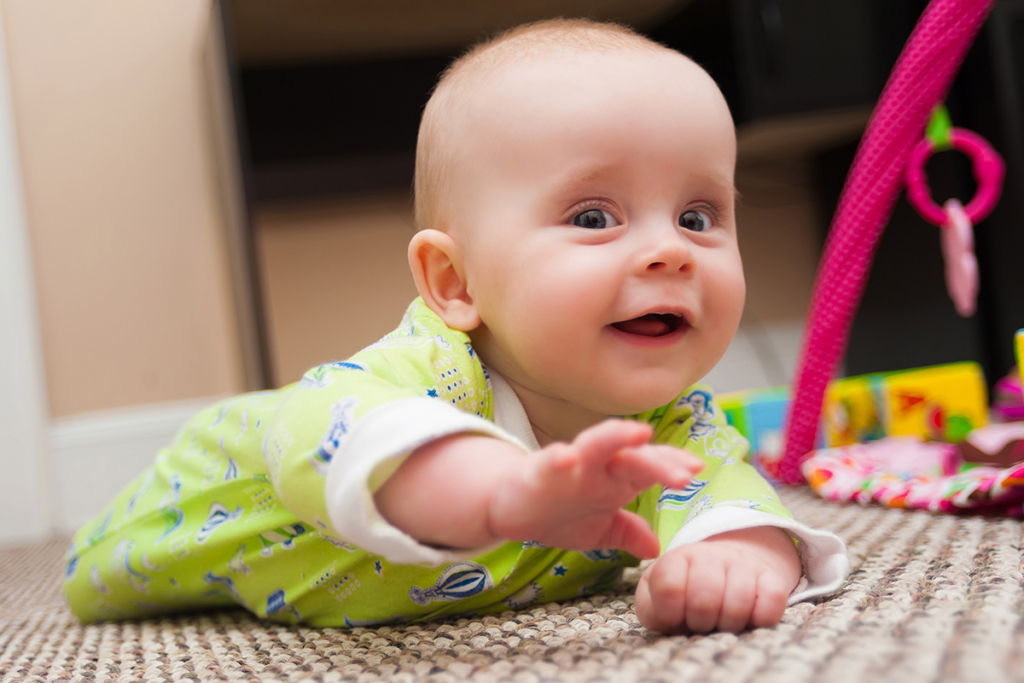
{"points": [[906, 471]]}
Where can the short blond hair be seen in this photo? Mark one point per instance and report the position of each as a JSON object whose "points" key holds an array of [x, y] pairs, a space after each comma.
{"points": [[436, 146]]}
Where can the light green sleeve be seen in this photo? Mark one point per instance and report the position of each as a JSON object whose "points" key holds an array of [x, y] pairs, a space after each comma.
{"points": [[421, 359], [694, 421]]}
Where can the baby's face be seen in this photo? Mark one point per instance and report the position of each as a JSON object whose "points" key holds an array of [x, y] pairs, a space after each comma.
{"points": [[595, 214]]}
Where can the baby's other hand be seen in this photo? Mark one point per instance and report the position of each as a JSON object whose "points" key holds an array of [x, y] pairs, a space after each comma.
{"points": [[728, 582], [570, 495]]}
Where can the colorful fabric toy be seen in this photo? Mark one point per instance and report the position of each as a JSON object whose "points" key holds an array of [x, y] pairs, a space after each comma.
{"points": [[985, 473]]}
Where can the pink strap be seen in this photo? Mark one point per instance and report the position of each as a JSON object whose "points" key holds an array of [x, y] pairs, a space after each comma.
{"points": [[919, 80]]}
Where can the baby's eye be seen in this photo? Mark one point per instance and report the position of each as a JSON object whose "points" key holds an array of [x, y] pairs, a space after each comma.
{"points": [[594, 219], [697, 221]]}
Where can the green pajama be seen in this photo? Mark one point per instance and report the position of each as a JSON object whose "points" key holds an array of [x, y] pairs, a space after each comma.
{"points": [[234, 512]]}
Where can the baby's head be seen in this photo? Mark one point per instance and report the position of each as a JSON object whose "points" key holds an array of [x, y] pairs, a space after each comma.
{"points": [[575, 199]]}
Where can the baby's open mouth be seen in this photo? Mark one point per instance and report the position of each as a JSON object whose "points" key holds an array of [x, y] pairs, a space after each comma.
{"points": [[652, 324]]}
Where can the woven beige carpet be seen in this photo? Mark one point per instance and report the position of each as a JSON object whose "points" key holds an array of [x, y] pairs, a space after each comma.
{"points": [[931, 598]]}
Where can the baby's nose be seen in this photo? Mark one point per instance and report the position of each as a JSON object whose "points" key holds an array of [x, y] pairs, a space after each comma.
{"points": [[670, 255]]}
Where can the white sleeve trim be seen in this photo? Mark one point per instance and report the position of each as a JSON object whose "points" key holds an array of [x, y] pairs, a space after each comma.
{"points": [[377, 445], [822, 553]]}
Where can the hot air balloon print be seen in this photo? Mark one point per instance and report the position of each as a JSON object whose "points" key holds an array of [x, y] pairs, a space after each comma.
{"points": [[457, 582], [218, 517]]}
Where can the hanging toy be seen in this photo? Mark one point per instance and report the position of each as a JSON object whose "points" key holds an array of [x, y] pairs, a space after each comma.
{"points": [[957, 221], [957, 240]]}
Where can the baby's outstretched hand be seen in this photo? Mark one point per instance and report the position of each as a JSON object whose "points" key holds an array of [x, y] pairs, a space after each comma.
{"points": [[570, 495], [727, 582]]}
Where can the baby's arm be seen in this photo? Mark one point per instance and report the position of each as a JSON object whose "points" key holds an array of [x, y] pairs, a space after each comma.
{"points": [[469, 491], [726, 582]]}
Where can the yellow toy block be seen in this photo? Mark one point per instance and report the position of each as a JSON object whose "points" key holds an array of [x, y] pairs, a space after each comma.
{"points": [[853, 411], [943, 403]]}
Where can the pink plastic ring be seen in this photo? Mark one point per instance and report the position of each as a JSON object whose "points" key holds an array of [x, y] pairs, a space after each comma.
{"points": [[988, 171]]}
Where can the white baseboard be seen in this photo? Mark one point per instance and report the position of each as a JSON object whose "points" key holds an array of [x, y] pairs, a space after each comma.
{"points": [[93, 456]]}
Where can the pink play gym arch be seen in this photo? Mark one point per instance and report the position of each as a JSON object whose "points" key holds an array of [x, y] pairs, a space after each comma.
{"points": [[920, 80]]}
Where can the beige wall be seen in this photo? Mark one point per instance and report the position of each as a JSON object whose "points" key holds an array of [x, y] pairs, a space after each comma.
{"points": [[780, 238], [121, 201], [335, 278]]}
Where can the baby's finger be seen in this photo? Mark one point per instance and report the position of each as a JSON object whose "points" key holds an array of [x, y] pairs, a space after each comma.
{"points": [[665, 582], [704, 594], [631, 532], [676, 455], [647, 465], [644, 605], [641, 471], [558, 458], [605, 439], [738, 604], [771, 600]]}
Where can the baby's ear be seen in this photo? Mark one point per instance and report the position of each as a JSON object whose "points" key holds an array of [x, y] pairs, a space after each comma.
{"points": [[436, 263]]}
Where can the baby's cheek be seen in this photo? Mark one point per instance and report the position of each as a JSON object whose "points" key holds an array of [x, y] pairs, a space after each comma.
{"points": [[723, 304], [729, 291], [552, 353]]}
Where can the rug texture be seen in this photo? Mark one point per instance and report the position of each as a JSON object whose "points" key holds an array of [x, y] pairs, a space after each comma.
{"points": [[931, 598]]}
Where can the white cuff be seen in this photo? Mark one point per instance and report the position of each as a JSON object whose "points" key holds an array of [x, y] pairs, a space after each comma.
{"points": [[822, 553], [378, 444]]}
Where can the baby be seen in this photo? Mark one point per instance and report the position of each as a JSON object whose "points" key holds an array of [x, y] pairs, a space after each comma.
{"points": [[576, 261]]}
